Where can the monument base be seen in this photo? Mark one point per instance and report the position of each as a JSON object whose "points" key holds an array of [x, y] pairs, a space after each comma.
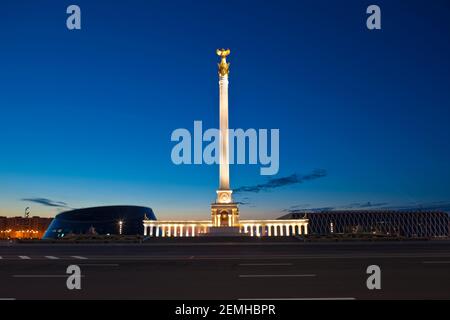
{"points": [[225, 215]]}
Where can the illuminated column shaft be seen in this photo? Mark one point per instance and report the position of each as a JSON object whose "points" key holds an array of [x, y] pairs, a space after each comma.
{"points": [[224, 137], [224, 212]]}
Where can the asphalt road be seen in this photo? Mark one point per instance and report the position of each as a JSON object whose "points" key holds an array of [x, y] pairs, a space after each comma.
{"points": [[409, 270]]}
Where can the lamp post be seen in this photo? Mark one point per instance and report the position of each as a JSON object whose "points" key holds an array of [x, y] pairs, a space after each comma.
{"points": [[120, 227]]}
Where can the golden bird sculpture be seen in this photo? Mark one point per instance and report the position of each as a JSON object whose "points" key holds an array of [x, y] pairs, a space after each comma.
{"points": [[223, 52], [224, 66]]}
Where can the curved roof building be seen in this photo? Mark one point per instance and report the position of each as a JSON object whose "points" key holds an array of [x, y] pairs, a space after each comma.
{"points": [[411, 224], [126, 220]]}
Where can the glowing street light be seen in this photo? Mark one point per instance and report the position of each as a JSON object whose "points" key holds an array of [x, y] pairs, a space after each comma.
{"points": [[120, 226]]}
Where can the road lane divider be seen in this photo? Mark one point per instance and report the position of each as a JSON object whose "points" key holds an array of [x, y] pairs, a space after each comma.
{"points": [[98, 264], [290, 299], [42, 275], [264, 264], [79, 257], [277, 275]]}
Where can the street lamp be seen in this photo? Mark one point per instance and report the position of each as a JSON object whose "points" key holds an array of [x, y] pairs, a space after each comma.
{"points": [[120, 226]]}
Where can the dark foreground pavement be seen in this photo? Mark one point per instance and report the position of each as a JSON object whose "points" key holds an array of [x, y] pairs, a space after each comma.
{"points": [[292, 270]]}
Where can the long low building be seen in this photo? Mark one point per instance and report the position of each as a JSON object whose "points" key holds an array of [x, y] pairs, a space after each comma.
{"points": [[23, 227], [409, 224], [253, 228]]}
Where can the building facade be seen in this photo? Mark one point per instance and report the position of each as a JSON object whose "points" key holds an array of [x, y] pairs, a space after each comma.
{"points": [[107, 220], [23, 228], [253, 228], [410, 224]]}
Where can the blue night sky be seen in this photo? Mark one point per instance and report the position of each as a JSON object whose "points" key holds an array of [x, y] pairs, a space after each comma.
{"points": [[86, 116]]}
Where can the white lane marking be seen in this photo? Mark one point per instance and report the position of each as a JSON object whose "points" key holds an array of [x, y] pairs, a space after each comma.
{"points": [[52, 257], [4, 299], [42, 275], [435, 262], [79, 257], [1, 257], [98, 264], [264, 264], [281, 299], [24, 257], [275, 275], [258, 257], [242, 258]]}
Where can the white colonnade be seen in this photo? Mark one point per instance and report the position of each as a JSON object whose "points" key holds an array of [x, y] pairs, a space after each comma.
{"points": [[274, 228], [175, 229], [253, 228]]}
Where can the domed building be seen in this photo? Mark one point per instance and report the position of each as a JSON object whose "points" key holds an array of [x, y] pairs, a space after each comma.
{"points": [[125, 220]]}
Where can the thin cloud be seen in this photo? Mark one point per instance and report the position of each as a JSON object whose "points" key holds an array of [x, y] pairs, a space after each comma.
{"points": [[317, 209], [245, 201], [296, 207], [47, 202], [430, 206], [366, 205], [242, 203], [284, 181]]}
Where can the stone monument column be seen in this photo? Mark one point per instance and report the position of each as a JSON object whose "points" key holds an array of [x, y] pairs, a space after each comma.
{"points": [[224, 211], [223, 141]]}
